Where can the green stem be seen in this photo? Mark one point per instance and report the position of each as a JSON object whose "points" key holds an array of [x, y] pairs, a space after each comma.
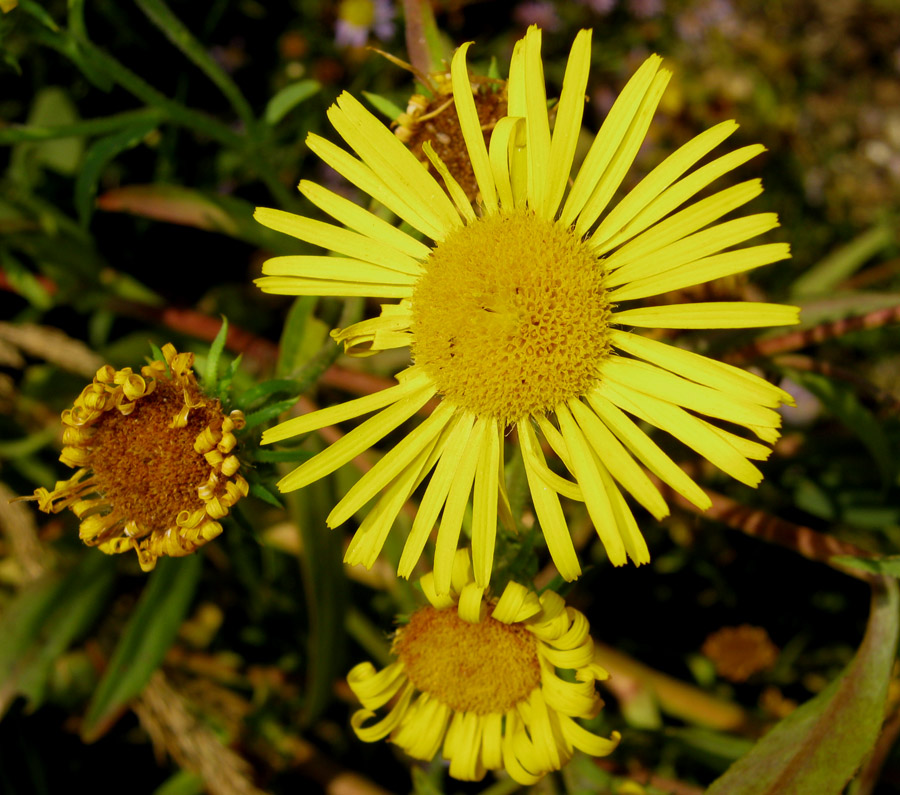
{"points": [[367, 635], [175, 30], [15, 134]]}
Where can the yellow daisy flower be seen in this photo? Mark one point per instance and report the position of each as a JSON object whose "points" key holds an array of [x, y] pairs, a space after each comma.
{"points": [[513, 316], [478, 676], [155, 464]]}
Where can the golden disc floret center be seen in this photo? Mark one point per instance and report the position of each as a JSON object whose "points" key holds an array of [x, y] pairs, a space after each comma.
{"points": [[483, 668], [148, 470], [510, 317]]}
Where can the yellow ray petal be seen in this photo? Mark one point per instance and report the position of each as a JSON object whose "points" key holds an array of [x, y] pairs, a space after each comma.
{"points": [[359, 439], [701, 271], [361, 220], [338, 239], [646, 451], [547, 507], [367, 542], [635, 545], [608, 139], [653, 380], [538, 123], [618, 461], [687, 429], [388, 330], [746, 447], [568, 122], [343, 411], [435, 495], [388, 157], [701, 369], [595, 496], [456, 192], [624, 157], [455, 507], [684, 252], [507, 137], [391, 465], [339, 269], [290, 285], [484, 508], [660, 179], [677, 195], [718, 314], [685, 222], [471, 129], [364, 178]]}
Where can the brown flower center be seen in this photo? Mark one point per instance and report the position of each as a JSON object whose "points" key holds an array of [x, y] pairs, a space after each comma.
{"points": [[483, 668], [146, 470]]}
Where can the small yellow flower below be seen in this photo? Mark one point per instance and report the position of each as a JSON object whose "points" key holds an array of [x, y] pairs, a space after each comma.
{"points": [[480, 679]]}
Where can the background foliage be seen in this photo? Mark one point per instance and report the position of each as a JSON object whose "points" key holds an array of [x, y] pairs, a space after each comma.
{"points": [[135, 140]]}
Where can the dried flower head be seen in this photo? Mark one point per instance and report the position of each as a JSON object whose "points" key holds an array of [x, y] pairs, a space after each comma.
{"points": [[155, 460]]}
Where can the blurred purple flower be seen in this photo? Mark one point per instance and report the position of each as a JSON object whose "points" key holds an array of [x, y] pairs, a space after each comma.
{"points": [[535, 12], [599, 7], [358, 19], [645, 9]]}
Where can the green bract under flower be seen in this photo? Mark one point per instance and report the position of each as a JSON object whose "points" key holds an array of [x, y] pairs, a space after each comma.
{"points": [[516, 313]]}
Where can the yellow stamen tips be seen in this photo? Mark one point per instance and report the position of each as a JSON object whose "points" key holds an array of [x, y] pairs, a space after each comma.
{"points": [[510, 317], [453, 660], [492, 683], [157, 468]]}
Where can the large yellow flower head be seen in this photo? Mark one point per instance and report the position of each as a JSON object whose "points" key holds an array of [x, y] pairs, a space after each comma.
{"points": [[478, 678], [155, 459], [513, 313]]}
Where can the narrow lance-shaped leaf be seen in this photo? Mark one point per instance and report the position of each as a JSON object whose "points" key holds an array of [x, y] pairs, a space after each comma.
{"points": [[145, 641], [819, 746]]}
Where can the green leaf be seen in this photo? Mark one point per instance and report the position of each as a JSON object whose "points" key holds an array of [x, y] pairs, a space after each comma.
{"points": [[325, 588], [841, 400], [383, 105], [264, 390], [51, 106], [145, 641], [181, 783], [819, 746], [24, 282], [269, 412], [261, 492], [826, 275], [98, 156], [274, 456], [84, 594], [211, 371], [288, 98], [45, 619], [294, 334], [38, 12], [888, 566]]}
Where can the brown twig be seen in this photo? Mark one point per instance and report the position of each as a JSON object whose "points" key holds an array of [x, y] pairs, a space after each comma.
{"points": [[416, 44], [757, 523], [812, 365], [797, 340]]}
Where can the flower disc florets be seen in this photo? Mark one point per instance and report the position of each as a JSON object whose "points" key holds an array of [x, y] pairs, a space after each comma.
{"points": [[510, 316], [155, 458], [481, 679]]}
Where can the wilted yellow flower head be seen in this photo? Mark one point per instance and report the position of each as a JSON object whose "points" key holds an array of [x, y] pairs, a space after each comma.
{"points": [[513, 314], [155, 460], [479, 679], [740, 652]]}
